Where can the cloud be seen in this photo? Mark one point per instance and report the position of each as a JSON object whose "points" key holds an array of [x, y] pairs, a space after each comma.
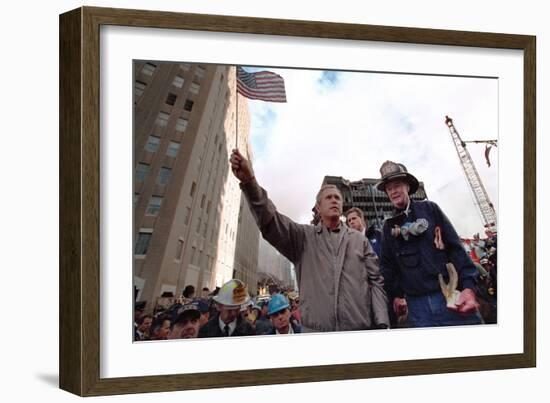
{"points": [[261, 125], [368, 118], [329, 79]]}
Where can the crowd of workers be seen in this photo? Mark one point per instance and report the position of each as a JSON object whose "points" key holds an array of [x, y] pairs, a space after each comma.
{"points": [[228, 311]]}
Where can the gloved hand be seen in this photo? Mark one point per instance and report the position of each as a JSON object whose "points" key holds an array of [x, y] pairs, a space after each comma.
{"points": [[449, 290]]}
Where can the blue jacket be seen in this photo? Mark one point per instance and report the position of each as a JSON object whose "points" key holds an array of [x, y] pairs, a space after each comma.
{"points": [[375, 238], [411, 267]]}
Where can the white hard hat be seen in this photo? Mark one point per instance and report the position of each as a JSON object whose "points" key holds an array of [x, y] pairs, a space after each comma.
{"points": [[233, 293]]}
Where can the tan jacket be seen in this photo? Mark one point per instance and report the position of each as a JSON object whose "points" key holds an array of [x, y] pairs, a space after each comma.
{"points": [[338, 288]]}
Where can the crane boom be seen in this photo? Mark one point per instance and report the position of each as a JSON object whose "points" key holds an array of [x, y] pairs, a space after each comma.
{"points": [[481, 197]]}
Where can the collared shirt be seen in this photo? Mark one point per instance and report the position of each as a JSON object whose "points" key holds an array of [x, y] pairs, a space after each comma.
{"points": [[406, 211], [231, 325], [335, 237], [290, 330]]}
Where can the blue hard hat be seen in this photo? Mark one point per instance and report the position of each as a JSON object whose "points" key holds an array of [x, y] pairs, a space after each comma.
{"points": [[277, 303]]}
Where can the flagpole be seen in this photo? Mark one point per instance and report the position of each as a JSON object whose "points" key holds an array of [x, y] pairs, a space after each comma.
{"points": [[236, 111]]}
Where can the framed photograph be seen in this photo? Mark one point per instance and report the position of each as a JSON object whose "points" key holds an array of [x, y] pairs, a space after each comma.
{"points": [[159, 229]]}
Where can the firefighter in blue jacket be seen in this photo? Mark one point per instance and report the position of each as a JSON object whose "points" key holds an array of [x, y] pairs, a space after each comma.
{"points": [[418, 242]]}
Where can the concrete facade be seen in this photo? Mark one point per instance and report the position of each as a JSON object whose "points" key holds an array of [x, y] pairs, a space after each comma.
{"points": [[272, 263], [186, 202]]}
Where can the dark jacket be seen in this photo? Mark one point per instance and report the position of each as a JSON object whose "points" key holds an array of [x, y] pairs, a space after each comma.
{"points": [[375, 238], [263, 326], [137, 335], [411, 267], [212, 328]]}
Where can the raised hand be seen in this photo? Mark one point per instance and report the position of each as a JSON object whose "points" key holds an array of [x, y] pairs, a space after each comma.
{"points": [[241, 167]]}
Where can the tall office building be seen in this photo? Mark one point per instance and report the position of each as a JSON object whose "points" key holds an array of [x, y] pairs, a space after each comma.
{"points": [[246, 250], [272, 264], [186, 202], [363, 194]]}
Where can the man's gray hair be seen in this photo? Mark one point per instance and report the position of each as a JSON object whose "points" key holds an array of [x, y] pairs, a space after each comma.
{"points": [[326, 187]]}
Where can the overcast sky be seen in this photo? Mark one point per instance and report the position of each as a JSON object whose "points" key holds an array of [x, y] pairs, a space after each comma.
{"points": [[347, 124]]}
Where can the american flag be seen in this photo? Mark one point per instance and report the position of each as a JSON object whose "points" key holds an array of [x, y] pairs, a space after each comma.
{"points": [[262, 85]]}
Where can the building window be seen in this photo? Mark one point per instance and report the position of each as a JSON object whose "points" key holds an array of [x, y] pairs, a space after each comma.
{"points": [[187, 215], [193, 255], [171, 99], [142, 171], [142, 243], [164, 176], [194, 88], [178, 81], [154, 205], [173, 148], [208, 206], [179, 249], [185, 66], [162, 119], [139, 88], [148, 69], [193, 188], [203, 199], [188, 105], [181, 125], [136, 199], [198, 225], [152, 144], [200, 71]]}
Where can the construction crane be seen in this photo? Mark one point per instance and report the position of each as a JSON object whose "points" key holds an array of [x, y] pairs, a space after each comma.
{"points": [[481, 197]]}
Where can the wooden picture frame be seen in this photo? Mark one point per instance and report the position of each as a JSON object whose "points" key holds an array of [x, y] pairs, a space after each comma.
{"points": [[80, 199]]}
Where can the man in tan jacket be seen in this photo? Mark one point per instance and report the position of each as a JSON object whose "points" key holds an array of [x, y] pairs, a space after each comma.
{"points": [[336, 268]]}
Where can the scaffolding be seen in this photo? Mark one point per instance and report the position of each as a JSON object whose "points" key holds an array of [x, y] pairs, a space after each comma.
{"points": [[481, 198]]}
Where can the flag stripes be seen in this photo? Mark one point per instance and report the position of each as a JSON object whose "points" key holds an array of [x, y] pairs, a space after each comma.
{"points": [[262, 85]]}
